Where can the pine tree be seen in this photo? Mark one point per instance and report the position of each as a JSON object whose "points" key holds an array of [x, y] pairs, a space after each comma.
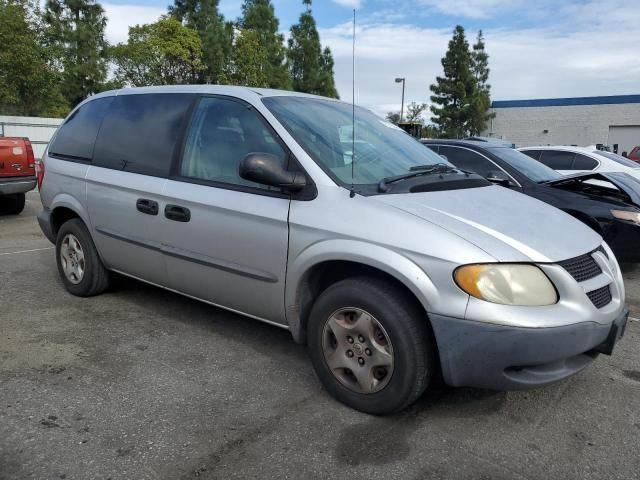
{"points": [[453, 93], [74, 31], [216, 34], [482, 97], [259, 16], [327, 84], [311, 68]]}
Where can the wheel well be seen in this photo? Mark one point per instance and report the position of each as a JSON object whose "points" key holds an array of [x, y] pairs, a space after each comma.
{"points": [[59, 216], [325, 274]]}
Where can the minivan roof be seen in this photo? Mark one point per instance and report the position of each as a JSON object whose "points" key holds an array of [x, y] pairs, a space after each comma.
{"points": [[247, 93]]}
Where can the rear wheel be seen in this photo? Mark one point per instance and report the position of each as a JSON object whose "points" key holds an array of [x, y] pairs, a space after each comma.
{"points": [[79, 264], [12, 204], [371, 345]]}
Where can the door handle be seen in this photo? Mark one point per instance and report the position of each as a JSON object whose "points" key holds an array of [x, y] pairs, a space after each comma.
{"points": [[147, 206], [177, 213]]}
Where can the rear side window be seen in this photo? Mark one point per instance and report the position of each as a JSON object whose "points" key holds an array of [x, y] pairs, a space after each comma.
{"points": [[535, 154], [582, 162], [77, 135], [557, 159], [141, 133]]}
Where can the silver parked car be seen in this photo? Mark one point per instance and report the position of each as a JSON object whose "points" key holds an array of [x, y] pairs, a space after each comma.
{"points": [[387, 261]]}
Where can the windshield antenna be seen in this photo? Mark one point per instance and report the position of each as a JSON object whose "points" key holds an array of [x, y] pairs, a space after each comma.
{"points": [[352, 193]]}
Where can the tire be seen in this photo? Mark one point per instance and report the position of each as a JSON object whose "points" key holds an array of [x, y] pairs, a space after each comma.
{"points": [[94, 278], [394, 315], [12, 204]]}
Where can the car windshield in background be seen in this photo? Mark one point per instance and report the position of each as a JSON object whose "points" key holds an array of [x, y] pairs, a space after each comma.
{"points": [[324, 128], [618, 158], [530, 168]]}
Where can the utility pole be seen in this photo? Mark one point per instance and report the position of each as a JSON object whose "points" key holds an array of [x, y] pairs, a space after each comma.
{"points": [[401, 80]]}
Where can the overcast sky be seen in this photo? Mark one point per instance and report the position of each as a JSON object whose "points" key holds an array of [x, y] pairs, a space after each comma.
{"points": [[537, 48]]}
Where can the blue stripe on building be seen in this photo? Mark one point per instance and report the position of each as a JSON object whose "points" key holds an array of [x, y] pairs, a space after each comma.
{"points": [[566, 102]]}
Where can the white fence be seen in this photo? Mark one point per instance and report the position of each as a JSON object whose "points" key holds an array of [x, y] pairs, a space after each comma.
{"points": [[37, 129]]}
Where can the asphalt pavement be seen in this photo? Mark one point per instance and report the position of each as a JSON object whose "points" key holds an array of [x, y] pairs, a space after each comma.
{"points": [[140, 383]]}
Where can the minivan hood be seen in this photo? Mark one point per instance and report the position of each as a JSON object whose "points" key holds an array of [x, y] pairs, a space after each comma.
{"points": [[507, 225]]}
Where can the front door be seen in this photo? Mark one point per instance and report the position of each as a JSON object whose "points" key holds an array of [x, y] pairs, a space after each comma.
{"points": [[225, 239]]}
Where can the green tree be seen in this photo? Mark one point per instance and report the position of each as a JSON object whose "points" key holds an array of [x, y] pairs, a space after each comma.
{"points": [[215, 34], [327, 84], [28, 85], [74, 32], [161, 53], [248, 62], [481, 101], [429, 131], [311, 68], [259, 16], [453, 93]]}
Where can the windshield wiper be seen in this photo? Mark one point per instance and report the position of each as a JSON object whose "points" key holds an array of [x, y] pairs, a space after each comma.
{"points": [[416, 171]]}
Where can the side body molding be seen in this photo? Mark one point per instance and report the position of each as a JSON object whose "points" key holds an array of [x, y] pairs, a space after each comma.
{"points": [[376, 256]]}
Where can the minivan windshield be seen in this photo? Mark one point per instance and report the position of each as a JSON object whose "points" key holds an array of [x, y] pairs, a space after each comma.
{"points": [[527, 166], [324, 128]]}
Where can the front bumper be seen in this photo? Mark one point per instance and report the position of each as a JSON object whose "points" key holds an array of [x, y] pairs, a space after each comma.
{"points": [[503, 357], [13, 185]]}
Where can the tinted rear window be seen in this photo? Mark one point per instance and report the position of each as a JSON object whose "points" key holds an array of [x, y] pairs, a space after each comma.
{"points": [[582, 162], [77, 135], [557, 159], [141, 133]]}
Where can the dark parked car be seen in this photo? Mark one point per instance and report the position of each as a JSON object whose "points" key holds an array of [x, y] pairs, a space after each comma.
{"points": [[634, 154], [613, 212]]}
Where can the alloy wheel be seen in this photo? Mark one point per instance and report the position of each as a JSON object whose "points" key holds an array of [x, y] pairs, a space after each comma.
{"points": [[72, 258]]}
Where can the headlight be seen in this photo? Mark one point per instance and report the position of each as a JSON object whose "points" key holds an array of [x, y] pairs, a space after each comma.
{"points": [[627, 215], [507, 284]]}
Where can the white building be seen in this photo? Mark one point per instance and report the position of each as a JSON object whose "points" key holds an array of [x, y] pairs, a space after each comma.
{"points": [[612, 121], [38, 130]]}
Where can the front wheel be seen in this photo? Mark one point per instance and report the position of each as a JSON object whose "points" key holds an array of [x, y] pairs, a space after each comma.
{"points": [[79, 264], [371, 345]]}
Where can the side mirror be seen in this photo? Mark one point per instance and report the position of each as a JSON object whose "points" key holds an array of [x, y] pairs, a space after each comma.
{"points": [[499, 178], [444, 157], [267, 169]]}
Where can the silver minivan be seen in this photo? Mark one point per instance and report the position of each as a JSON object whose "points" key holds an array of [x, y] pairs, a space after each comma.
{"points": [[302, 212]]}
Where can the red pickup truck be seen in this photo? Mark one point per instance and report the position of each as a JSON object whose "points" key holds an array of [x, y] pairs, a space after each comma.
{"points": [[17, 173]]}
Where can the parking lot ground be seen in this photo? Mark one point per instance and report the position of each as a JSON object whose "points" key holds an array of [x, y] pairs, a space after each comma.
{"points": [[140, 383]]}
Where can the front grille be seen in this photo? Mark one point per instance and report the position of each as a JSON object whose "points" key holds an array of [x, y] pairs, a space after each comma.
{"points": [[581, 268], [600, 297], [603, 251]]}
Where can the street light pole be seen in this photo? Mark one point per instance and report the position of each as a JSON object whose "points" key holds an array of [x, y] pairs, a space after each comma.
{"points": [[399, 80]]}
